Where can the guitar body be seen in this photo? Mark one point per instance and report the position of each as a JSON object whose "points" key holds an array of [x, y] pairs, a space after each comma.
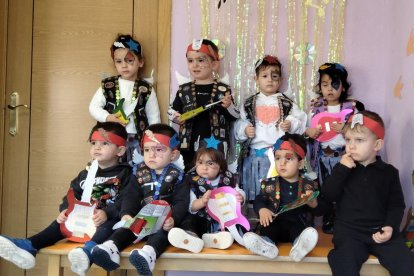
{"points": [[79, 226], [325, 120]]}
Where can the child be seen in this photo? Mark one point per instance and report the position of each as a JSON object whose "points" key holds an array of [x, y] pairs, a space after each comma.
{"points": [[370, 203], [333, 88], [293, 225], [157, 178], [210, 173], [210, 128], [107, 146], [137, 96], [264, 118]]}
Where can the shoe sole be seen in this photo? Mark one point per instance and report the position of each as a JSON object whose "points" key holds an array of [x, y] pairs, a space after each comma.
{"points": [[79, 261], [181, 239], [305, 244], [103, 259], [257, 245], [220, 240], [12, 253], [140, 263]]}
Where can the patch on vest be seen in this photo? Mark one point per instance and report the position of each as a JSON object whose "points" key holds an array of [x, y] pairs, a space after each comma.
{"points": [[109, 84]]}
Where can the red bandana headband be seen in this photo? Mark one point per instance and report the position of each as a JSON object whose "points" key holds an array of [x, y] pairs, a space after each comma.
{"points": [[369, 123], [198, 46], [286, 145], [102, 135], [171, 142]]}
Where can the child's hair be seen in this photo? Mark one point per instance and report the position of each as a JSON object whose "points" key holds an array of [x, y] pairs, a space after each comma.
{"points": [[337, 73], [164, 130], [211, 50], [112, 127], [126, 42], [358, 127], [215, 155], [294, 140], [266, 61]]}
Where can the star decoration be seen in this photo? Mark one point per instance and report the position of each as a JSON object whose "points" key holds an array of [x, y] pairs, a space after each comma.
{"points": [[133, 46], [212, 142], [305, 53], [397, 88], [410, 44]]}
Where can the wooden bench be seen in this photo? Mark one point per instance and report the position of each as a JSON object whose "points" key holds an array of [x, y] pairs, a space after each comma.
{"points": [[234, 259]]}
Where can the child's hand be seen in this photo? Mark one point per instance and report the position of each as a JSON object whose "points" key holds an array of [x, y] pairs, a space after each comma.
{"points": [[250, 131], [313, 203], [347, 160], [126, 217], [226, 100], [386, 234], [239, 197], [114, 118], [99, 217], [314, 132], [265, 217], [205, 197], [337, 127], [285, 125], [62, 217], [168, 224], [177, 119]]}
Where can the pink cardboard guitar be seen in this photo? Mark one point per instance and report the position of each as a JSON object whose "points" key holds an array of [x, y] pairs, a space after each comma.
{"points": [[325, 120], [226, 210]]}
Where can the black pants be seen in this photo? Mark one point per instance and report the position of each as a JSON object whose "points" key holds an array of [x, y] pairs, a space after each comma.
{"points": [[285, 228], [124, 237], [352, 248], [51, 234]]}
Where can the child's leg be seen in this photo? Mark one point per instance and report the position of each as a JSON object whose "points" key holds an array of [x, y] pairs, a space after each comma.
{"points": [[260, 245], [395, 256], [186, 235], [144, 259], [304, 244], [80, 257], [22, 252]]}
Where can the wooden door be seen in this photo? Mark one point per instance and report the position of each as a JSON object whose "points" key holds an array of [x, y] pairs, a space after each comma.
{"points": [[69, 57]]}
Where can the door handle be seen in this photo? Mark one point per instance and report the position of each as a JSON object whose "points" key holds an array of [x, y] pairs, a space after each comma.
{"points": [[14, 113]]}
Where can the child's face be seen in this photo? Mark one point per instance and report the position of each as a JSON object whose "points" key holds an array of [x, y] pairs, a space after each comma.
{"points": [[201, 67], [331, 91], [269, 80], [206, 167], [158, 156], [107, 154], [287, 165], [362, 144], [127, 64]]}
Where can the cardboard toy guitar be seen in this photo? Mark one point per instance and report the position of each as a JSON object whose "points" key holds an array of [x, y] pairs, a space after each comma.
{"points": [[298, 202], [149, 220], [325, 120], [192, 113], [225, 209], [79, 226]]}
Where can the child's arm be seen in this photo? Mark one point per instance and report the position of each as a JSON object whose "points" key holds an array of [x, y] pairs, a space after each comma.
{"points": [[384, 234], [241, 125], [335, 182], [62, 217], [266, 217], [96, 106], [181, 200], [132, 197], [230, 110], [395, 201], [175, 110], [99, 217], [297, 119], [152, 109], [200, 203]]}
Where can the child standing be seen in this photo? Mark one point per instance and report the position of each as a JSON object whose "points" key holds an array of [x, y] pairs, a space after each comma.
{"points": [[210, 128], [370, 203], [294, 225], [137, 96], [107, 146], [210, 173], [157, 178], [264, 118], [333, 88]]}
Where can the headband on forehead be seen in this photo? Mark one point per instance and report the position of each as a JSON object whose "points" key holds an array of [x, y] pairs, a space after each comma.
{"points": [[289, 145], [271, 60], [198, 46], [103, 135], [369, 123], [171, 142], [126, 42]]}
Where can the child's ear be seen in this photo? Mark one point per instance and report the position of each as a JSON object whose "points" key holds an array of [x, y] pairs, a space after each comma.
{"points": [[379, 144], [301, 164], [141, 62], [175, 155], [121, 151]]}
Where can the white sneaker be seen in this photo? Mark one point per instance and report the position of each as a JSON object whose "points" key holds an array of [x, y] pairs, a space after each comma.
{"points": [[220, 240], [18, 256], [304, 244], [143, 260], [182, 239], [79, 261], [106, 255], [260, 246]]}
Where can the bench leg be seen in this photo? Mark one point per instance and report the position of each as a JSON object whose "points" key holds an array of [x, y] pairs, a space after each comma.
{"points": [[54, 268]]}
